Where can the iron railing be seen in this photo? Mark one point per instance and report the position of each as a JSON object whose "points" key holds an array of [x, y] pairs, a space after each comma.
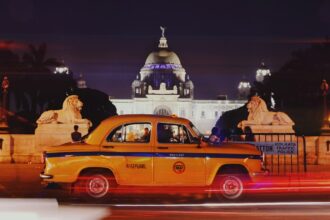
{"points": [[279, 158]]}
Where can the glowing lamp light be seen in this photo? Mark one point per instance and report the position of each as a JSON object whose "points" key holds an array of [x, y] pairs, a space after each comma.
{"points": [[262, 72], [244, 85], [244, 89], [61, 70]]}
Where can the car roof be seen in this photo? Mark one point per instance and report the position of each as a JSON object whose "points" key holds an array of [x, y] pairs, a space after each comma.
{"points": [[116, 120], [142, 117]]}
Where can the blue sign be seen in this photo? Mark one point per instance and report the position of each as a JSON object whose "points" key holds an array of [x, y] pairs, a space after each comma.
{"points": [[277, 147]]}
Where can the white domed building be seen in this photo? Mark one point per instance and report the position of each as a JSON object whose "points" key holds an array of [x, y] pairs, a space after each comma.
{"points": [[164, 88]]}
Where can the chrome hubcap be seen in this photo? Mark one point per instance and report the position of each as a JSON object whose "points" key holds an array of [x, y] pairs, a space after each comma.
{"points": [[98, 186], [232, 187]]}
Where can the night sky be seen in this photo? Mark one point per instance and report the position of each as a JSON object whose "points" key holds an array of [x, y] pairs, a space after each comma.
{"points": [[218, 42]]}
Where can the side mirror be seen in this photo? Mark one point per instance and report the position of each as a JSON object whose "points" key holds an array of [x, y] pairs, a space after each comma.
{"points": [[200, 141], [196, 140]]}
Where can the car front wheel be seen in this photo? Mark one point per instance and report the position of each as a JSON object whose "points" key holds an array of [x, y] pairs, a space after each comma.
{"points": [[230, 186]]}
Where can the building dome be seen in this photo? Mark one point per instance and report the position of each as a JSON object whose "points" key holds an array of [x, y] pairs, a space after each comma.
{"points": [[163, 74], [163, 56]]}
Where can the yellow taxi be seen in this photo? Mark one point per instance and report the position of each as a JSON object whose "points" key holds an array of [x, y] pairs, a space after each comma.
{"points": [[151, 151]]}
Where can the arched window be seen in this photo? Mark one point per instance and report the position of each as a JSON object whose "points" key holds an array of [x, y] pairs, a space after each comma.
{"points": [[138, 91], [162, 110]]}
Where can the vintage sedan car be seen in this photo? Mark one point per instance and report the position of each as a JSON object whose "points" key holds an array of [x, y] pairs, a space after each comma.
{"points": [[151, 151]]}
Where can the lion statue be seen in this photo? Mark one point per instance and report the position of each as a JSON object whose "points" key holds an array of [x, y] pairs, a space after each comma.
{"points": [[69, 114], [259, 115]]}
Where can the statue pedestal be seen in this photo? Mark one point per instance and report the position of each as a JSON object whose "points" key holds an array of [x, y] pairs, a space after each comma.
{"points": [[56, 134], [325, 130], [3, 127], [271, 129]]}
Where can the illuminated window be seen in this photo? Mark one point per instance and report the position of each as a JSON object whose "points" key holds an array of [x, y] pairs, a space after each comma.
{"points": [[173, 133], [186, 91], [162, 110], [131, 133], [183, 113]]}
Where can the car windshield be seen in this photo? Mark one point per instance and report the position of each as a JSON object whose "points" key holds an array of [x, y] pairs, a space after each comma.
{"points": [[196, 130]]}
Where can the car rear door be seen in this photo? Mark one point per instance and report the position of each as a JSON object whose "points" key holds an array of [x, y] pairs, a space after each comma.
{"points": [[130, 152]]}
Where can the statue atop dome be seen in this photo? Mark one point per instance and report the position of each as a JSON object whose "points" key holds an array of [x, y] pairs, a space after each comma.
{"points": [[163, 41], [163, 31]]}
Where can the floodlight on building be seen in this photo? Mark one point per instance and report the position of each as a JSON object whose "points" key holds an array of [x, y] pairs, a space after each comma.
{"points": [[61, 70], [244, 89], [262, 72], [244, 85]]}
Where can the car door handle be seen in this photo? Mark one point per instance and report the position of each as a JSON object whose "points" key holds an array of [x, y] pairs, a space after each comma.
{"points": [[162, 148], [109, 147]]}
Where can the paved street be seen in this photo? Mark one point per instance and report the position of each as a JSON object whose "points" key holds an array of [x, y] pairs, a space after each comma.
{"points": [[22, 181], [269, 211]]}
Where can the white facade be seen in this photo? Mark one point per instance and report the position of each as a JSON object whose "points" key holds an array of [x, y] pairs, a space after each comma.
{"points": [[163, 87], [203, 113]]}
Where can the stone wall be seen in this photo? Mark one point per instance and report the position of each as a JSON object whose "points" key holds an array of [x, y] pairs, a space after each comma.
{"points": [[56, 134], [18, 149], [6, 148], [24, 149], [323, 149], [28, 148]]}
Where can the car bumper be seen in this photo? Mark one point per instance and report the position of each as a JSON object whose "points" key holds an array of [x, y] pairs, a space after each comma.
{"points": [[258, 176], [45, 176]]}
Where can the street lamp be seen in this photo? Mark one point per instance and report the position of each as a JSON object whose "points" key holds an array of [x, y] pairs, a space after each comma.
{"points": [[244, 88], [325, 130], [262, 72], [3, 118]]}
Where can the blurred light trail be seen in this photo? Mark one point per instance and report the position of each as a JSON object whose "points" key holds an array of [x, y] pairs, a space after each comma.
{"points": [[230, 205]]}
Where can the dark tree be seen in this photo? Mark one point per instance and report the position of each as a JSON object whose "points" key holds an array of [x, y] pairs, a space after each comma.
{"points": [[33, 86], [229, 120], [97, 105], [297, 86], [36, 60], [9, 61], [263, 89]]}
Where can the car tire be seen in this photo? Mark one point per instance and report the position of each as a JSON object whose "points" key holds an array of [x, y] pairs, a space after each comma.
{"points": [[95, 187], [230, 186]]}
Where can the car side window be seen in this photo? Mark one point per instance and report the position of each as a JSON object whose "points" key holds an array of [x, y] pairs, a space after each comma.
{"points": [[185, 136], [132, 133], [172, 133]]}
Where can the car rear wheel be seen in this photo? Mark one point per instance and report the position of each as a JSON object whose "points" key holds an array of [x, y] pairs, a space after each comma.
{"points": [[95, 187]]}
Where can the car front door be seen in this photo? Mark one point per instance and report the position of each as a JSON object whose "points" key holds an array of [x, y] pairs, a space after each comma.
{"points": [[177, 159]]}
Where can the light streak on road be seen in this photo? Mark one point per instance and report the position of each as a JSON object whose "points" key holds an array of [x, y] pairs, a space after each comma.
{"points": [[231, 205]]}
